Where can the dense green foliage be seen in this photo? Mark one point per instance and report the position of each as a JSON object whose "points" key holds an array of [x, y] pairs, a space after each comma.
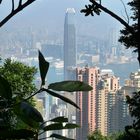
{"points": [[20, 78], [96, 135]]}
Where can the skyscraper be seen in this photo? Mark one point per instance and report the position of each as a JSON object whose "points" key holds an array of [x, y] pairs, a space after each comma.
{"points": [[86, 117], [69, 43], [70, 60]]}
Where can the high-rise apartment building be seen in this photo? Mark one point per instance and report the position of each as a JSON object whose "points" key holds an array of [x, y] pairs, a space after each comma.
{"points": [[106, 103], [135, 79], [104, 108], [131, 85], [69, 43], [86, 116], [112, 109], [98, 107], [122, 107]]}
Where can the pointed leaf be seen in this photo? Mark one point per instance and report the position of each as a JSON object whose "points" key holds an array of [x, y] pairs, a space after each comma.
{"points": [[70, 86], [54, 126], [60, 97], [71, 126], [43, 66], [59, 119], [28, 114], [57, 136], [17, 134], [5, 89]]}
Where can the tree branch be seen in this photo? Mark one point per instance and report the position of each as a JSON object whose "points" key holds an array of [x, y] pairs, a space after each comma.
{"points": [[12, 5], [20, 2], [95, 7], [136, 34], [40, 90], [15, 11], [114, 16]]}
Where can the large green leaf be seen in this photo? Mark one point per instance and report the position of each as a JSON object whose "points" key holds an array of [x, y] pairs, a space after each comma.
{"points": [[28, 114], [70, 126], [17, 134], [5, 89], [61, 97], [43, 66], [59, 119], [54, 126], [57, 136], [60, 126], [70, 86]]}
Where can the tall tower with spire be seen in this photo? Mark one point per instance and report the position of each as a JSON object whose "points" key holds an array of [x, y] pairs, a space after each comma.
{"points": [[69, 43]]}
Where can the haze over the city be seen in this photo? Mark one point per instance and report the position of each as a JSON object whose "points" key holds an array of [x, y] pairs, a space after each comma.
{"points": [[49, 14]]}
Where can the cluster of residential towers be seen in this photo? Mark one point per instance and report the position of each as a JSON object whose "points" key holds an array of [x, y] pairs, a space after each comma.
{"points": [[104, 108]]}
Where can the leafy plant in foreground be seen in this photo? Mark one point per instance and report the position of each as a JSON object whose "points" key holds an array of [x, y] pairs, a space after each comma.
{"points": [[30, 115], [20, 79]]}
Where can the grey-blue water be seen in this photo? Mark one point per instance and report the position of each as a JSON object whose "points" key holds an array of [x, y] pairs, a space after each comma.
{"points": [[122, 70]]}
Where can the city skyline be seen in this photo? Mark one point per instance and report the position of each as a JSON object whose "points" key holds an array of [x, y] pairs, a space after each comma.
{"points": [[91, 55], [43, 16]]}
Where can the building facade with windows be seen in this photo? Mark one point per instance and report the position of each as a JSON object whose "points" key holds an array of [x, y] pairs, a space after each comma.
{"points": [[106, 109], [86, 116]]}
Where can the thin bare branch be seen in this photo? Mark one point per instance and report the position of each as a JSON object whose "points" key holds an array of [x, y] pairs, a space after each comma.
{"points": [[15, 11], [124, 17], [127, 17], [0, 1]]}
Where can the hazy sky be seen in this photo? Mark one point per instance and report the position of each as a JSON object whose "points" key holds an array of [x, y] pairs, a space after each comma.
{"points": [[50, 14]]}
